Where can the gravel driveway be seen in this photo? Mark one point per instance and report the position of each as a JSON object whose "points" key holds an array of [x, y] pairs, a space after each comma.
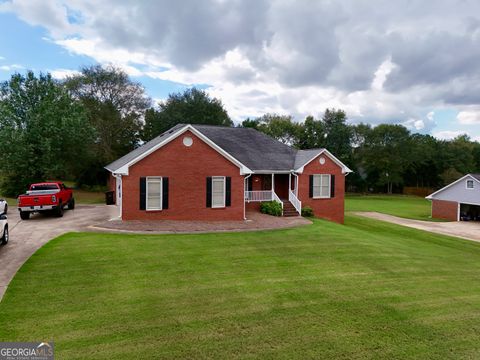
{"points": [[461, 229], [26, 237]]}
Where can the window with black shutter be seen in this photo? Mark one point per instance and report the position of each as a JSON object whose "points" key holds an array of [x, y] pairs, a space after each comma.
{"points": [[143, 193]]}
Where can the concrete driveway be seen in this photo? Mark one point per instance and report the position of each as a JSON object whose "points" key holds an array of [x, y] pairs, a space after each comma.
{"points": [[28, 236], [462, 229]]}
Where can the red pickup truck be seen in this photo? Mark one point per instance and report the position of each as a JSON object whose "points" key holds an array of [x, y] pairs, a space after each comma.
{"points": [[47, 196]]}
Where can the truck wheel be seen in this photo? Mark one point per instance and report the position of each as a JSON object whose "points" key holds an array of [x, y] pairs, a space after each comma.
{"points": [[24, 215], [5, 237], [71, 204], [59, 211]]}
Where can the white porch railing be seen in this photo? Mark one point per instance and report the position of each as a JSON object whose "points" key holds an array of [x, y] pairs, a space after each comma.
{"points": [[264, 195], [297, 204], [276, 198]]}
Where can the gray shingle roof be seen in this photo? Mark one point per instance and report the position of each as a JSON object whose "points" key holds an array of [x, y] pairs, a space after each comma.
{"points": [[252, 148], [117, 164], [476, 176], [304, 156]]}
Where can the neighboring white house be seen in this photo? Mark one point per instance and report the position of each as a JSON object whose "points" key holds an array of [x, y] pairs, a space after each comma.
{"points": [[459, 200]]}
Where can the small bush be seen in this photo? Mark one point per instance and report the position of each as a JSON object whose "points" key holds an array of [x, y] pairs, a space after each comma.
{"points": [[271, 208], [307, 211]]}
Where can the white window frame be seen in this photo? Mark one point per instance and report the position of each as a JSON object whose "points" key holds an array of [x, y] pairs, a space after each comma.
{"points": [[329, 177], [224, 191], [473, 184], [147, 181]]}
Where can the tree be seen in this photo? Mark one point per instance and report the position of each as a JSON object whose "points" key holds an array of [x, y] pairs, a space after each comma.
{"points": [[46, 130], [313, 134], [115, 107], [193, 106], [280, 127], [338, 134], [250, 123], [385, 155]]}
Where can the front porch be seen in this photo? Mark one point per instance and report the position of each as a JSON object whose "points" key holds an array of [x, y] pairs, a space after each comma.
{"points": [[280, 187]]}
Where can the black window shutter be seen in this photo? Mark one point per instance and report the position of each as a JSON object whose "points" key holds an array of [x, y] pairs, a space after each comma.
{"points": [[143, 193], [228, 191], [165, 193], [310, 187], [332, 186], [209, 192]]}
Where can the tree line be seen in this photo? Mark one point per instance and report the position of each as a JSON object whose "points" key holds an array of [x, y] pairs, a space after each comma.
{"points": [[70, 129], [384, 158]]}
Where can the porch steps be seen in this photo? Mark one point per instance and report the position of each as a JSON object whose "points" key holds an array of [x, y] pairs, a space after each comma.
{"points": [[289, 209]]}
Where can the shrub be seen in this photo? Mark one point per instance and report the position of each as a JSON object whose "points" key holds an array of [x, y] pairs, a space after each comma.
{"points": [[307, 211], [271, 208]]}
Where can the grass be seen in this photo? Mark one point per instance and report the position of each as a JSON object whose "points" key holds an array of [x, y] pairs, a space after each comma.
{"points": [[365, 290], [411, 207], [88, 197]]}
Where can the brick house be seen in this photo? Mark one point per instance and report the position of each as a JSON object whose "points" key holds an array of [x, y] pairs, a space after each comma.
{"points": [[459, 200], [201, 172]]}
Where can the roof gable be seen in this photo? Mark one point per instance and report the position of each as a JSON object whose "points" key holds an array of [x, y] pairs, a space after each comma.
{"points": [[121, 165], [475, 177], [304, 157]]}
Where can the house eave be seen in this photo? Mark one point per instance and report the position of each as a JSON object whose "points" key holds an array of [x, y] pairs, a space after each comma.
{"points": [[123, 170], [345, 169]]}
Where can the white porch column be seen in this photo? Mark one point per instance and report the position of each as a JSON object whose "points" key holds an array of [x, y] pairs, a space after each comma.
{"points": [[289, 182], [273, 185]]}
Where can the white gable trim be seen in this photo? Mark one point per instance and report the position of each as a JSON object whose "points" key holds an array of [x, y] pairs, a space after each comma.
{"points": [[243, 169], [345, 169], [430, 197]]}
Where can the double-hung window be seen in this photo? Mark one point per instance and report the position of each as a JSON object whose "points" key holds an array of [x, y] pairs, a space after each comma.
{"points": [[154, 193], [321, 186], [218, 191]]}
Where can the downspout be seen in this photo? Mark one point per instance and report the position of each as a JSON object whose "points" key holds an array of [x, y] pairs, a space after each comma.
{"points": [[296, 184], [244, 190], [118, 192]]}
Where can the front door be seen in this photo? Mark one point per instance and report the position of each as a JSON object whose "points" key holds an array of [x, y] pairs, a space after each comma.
{"points": [[281, 185]]}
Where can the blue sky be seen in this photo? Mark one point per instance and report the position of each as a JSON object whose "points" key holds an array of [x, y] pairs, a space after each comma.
{"points": [[374, 65], [31, 49]]}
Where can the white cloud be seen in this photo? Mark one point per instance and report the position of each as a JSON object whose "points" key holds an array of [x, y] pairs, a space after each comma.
{"points": [[448, 134], [49, 13], [468, 117], [366, 57], [63, 73], [11, 67], [414, 124], [381, 74]]}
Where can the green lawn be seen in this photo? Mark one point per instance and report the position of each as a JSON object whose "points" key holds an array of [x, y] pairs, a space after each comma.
{"points": [[364, 290], [411, 207]]}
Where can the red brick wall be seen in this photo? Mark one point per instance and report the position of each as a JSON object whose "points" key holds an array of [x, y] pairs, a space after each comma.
{"points": [[330, 209], [187, 169], [447, 210]]}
